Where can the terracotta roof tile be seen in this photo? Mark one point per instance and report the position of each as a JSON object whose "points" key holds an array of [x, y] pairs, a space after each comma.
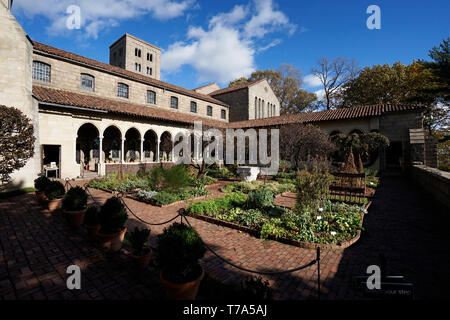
{"points": [[235, 88], [61, 97], [339, 114], [46, 49]]}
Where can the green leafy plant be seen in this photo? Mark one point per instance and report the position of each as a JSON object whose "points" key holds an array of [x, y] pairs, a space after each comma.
{"points": [[92, 216], [75, 199], [260, 199], [312, 188], [255, 289], [139, 241], [113, 216], [41, 183], [179, 250], [146, 195], [165, 198], [54, 190]]}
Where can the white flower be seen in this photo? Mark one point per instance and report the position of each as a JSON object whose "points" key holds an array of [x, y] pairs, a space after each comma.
{"points": [[333, 233], [371, 183], [321, 209], [319, 217]]}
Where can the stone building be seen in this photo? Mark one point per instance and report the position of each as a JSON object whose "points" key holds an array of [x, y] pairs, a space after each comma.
{"points": [[89, 116]]}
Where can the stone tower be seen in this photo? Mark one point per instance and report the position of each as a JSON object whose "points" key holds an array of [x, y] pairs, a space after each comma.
{"points": [[136, 55]]}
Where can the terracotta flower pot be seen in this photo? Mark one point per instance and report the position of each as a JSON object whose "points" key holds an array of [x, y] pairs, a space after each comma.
{"points": [[54, 204], [75, 218], [182, 291], [112, 241], [92, 230], [41, 197], [142, 261]]}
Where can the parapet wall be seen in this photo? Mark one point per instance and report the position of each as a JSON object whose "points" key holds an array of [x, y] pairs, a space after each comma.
{"points": [[433, 181]]}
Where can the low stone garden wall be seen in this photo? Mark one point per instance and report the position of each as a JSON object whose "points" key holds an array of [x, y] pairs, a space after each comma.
{"points": [[434, 182]]}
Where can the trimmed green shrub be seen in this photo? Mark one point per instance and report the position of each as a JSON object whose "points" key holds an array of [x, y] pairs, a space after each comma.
{"points": [[312, 189], [260, 199], [113, 216], [139, 241], [41, 183], [179, 250], [54, 190], [75, 199]]}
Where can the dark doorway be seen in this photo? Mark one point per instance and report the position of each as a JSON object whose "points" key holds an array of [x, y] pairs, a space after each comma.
{"points": [[394, 155], [51, 160]]}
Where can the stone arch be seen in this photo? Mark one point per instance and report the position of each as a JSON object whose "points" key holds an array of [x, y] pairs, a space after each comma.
{"points": [[132, 145], [112, 143], [150, 145], [166, 146], [87, 146]]}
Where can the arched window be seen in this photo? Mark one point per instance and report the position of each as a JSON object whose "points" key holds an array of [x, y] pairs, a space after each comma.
{"points": [[151, 97], [223, 114], [87, 82], [122, 90], [41, 71], [256, 107], [262, 109]]}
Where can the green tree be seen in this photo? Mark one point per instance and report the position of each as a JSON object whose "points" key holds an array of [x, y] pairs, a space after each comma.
{"points": [[16, 141], [286, 83]]}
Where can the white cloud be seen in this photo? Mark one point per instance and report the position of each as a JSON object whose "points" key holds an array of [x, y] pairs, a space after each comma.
{"points": [[97, 15], [312, 81], [226, 49], [267, 20], [320, 94]]}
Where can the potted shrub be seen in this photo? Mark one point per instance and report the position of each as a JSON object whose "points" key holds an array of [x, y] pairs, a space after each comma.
{"points": [[54, 192], [40, 184], [141, 248], [74, 206], [179, 250], [113, 217], [91, 221]]}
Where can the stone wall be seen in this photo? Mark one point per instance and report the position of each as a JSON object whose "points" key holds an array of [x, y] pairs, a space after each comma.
{"points": [[238, 102], [434, 182], [67, 76], [128, 168], [431, 150], [15, 86]]}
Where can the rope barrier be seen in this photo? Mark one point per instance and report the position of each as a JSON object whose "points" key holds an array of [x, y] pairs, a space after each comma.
{"points": [[181, 213]]}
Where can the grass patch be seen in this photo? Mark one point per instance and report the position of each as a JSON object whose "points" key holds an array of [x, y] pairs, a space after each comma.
{"points": [[15, 193]]}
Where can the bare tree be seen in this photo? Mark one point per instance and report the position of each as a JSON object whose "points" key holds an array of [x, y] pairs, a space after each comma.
{"points": [[333, 74]]}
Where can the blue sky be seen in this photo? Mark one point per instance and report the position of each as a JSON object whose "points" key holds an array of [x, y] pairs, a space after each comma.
{"points": [[205, 41]]}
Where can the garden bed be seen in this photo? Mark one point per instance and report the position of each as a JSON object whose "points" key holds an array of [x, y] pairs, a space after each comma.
{"points": [[300, 244], [341, 225]]}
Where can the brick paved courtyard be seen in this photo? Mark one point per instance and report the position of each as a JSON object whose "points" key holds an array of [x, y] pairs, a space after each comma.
{"points": [[36, 248]]}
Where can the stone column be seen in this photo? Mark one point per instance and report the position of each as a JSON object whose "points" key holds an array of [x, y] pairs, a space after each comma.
{"points": [[101, 164], [142, 150], [172, 154], [75, 149], [122, 151], [157, 149]]}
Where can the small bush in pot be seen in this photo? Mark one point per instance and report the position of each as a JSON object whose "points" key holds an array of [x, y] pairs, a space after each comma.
{"points": [[141, 248], [92, 220], [113, 217], [40, 184], [54, 191], [180, 248], [74, 206]]}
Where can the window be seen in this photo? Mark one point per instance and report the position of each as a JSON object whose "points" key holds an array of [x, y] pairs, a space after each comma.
{"points": [[256, 108], [151, 97], [137, 67], [149, 71], [174, 102], [87, 82], [137, 52], [122, 90], [209, 111], [193, 107], [41, 71], [223, 114], [149, 57]]}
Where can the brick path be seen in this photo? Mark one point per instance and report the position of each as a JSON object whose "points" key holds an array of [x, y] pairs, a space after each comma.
{"points": [[36, 248]]}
